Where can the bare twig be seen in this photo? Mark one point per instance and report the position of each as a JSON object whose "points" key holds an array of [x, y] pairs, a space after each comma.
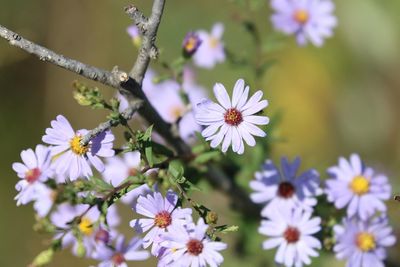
{"points": [[105, 77], [126, 115], [138, 17]]}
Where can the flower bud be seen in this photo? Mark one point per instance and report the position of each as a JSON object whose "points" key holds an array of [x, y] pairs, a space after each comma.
{"points": [[190, 44], [212, 217]]}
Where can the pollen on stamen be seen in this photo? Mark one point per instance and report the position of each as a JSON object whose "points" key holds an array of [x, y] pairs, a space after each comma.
{"points": [[86, 226], [163, 219], [286, 190], [233, 117], [194, 247], [292, 235], [301, 16], [77, 147], [118, 259], [32, 175], [365, 241]]}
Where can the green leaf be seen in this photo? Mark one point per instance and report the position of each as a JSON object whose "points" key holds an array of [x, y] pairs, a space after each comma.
{"points": [[147, 134], [99, 184], [149, 155], [176, 169], [205, 157]]}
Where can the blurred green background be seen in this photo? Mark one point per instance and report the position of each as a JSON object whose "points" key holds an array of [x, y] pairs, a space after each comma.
{"points": [[339, 99]]}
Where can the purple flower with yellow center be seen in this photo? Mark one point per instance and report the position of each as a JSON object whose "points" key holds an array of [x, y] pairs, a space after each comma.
{"points": [[34, 171], [90, 231], [285, 189], [190, 247], [190, 44], [211, 51], [134, 33], [231, 122], [161, 213], [72, 158], [291, 230], [356, 186], [118, 255], [363, 243], [309, 20]]}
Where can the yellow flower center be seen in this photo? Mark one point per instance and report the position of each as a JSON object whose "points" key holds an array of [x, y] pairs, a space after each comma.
{"points": [[365, 241], [359, 185], [191, 44], [213, 42], [76, 147], [301, 16], [176, 112], [86, 226]]}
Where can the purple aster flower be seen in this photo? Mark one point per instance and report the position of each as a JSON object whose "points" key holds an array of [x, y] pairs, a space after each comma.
{"points": [[133, 32], [363, 243], [70, 156], [190, 247], [357, 187], [309, 20], [211, 51], [191, 43], [90, 229], [291, 231], [34, 170], [285, 189], [161, 213], [229, 121], [166, 98], [118, 256], [119, 168]]}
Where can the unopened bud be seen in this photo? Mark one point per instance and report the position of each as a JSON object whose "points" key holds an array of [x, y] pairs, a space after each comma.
{"points": [[212, 217], [102, 236], [80, 250], [43, 258]]}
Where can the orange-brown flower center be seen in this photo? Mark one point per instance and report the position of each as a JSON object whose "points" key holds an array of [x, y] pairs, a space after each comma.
{"points": [[233, 117], [194, 247], [301, 16], [292, 235], [118, 259], [163, 219], [286, 190], [32, 175]]}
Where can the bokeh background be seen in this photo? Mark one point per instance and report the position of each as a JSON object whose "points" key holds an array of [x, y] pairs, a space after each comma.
{"points": [[339, 99]]}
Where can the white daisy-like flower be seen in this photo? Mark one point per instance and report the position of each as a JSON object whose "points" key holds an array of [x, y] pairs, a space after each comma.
{"points": [[34, 171], [70, 156], [291, 231], [161, 214], [231, 122], [190, 246], [285, 188], [211, 51]]}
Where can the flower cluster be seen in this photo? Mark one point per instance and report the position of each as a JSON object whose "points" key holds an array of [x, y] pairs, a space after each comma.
{"points": [[364, 233], [290, 200], [171, 232]]}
